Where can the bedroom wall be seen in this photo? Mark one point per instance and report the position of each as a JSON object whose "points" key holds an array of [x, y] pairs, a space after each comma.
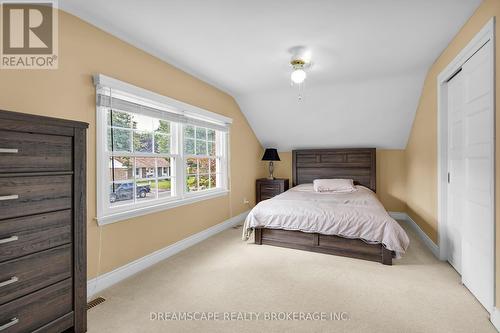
{"points": [[391, 179], [421, 151], [68, 93], [283, 168], [391, 176]]}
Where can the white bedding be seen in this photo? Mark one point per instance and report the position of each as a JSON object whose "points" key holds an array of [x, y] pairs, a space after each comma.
{"points": [[358, 214]]}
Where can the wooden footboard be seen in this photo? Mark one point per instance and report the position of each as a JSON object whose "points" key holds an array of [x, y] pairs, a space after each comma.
{"points": [[353, 248]]}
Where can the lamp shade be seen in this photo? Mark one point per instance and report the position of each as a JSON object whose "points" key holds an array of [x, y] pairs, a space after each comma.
{"points": [[271, 154]]}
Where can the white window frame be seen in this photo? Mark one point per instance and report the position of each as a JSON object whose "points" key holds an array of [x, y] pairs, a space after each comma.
{"points": [[107, 214]]}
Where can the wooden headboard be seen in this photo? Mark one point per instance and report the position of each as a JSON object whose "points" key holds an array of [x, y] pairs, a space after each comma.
{"points": [[357, 164]]}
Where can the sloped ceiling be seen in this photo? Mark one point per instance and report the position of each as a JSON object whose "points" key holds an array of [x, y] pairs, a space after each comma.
{"points": [[370, 58]]}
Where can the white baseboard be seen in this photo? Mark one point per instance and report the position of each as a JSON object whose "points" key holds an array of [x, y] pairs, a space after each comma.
{"points": [[495, 318], [399, 216], [106, 280], [423, 236]]}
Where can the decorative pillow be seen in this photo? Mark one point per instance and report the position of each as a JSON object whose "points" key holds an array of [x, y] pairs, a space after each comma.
{"points": [[333, 185]]}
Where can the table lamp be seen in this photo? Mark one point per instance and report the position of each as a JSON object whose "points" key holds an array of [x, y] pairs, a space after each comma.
{"points": [[271, 154]]}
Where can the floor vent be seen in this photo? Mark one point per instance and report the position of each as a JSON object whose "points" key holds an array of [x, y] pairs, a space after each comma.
{"points": [[95, 302]]}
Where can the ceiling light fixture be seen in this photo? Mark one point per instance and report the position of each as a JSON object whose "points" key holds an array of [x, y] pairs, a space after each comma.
{"points": [[299, 74], [300, 62]]}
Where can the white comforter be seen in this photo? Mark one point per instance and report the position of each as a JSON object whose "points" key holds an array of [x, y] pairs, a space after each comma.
{"points": [[358, 214]]}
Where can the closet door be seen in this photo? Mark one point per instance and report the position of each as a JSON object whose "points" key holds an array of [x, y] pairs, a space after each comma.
{"points": [[478, 222], [456, 188]]}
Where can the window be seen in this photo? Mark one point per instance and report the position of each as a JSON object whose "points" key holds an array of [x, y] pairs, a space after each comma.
{"points": [[156, 157], [140, 158], [201, 158]]}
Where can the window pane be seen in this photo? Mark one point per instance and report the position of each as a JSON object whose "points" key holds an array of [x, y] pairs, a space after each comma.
{"points": [[189, 146], [189, 131], [143, 142], [162, 143], [145, 167], [119, 119], [162, 126], [203, 165], [163, 167], [201, 147], [120, 168], [119, 140], [121, 193], [211, 134], [204, 182], [213, 181], [142, 123], [211, 148], [146, 190], [213, 165], [201, 174], [191, 183], [164, 188], [201, 133], [191, 166]]}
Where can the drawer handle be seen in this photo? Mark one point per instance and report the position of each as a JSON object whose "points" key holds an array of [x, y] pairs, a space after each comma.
{"points": [[9, 197], [9, 150], [11, 323], [9, 281], [9, 239]]}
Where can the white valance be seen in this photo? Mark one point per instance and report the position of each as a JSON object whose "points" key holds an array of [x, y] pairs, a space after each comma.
{"points": [[122, 96]]}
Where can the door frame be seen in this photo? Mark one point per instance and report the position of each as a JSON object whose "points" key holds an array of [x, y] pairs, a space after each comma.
{"points": [[486, 34]]}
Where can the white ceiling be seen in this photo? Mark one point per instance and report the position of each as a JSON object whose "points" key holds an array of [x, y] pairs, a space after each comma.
{"points": [[370, 58]]}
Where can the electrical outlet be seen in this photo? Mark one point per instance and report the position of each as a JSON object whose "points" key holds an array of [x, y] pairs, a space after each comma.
{"points": [[245, 201]]}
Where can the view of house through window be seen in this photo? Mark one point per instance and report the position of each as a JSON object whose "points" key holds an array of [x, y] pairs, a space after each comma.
{"points": [[142, 158], [141, 162], [155, 152]]}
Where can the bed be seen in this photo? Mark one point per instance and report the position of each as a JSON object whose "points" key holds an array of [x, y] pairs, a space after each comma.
{"points": [[347, 224]]}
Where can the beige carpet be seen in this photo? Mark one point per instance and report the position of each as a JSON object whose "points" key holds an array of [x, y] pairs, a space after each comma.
{"points": [[224, 274]]}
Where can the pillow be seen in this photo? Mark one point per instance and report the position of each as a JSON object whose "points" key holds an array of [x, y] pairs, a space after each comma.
{"points": [[333, 185]]}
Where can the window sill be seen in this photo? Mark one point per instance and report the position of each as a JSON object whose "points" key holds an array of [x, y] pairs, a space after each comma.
{"points": [[116, 217]]}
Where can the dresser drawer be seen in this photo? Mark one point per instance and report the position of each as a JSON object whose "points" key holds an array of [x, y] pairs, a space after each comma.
{"points": [[29, 234], [269, 188], [19, 277], [29, 152], [37, 309], [265, 196], [269, 193], [20, 196]]}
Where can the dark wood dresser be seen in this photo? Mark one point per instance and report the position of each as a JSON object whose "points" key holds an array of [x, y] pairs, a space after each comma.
{"points": [[268, 188], [42, 224]]}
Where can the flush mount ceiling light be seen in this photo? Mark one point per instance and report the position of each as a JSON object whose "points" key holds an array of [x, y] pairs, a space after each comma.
{"points": [[300, 62]]}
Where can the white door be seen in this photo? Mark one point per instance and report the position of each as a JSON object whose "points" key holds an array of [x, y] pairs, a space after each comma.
{"points": [[456, 162], [478, 206]]}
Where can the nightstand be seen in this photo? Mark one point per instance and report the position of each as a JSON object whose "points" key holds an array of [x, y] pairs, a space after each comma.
{"points": [[268, 188]]}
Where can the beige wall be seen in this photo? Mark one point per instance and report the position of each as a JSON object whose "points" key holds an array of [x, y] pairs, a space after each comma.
{"points": [[421, 152], [69, 93], [391, 176], [391, 179], [283, 168]]}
